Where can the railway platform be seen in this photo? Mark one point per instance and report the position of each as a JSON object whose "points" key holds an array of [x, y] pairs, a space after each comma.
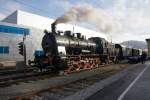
{"points": [[133, 86]]}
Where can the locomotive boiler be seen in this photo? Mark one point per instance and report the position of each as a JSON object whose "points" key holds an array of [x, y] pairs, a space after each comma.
{"points": [[69, 43]]}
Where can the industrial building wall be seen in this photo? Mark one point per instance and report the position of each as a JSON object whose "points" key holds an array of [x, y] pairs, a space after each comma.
{"points": [[33, 42], [9, 42], [29, 19]]}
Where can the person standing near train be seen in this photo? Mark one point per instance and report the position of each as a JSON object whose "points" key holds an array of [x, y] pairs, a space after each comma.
{"points": [[143, 58]]}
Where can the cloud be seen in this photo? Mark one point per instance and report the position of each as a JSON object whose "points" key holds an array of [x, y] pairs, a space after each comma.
{"points": [[134, 17], [2, 16], [62, 4], [58, 7], [135, 14], [138, 21], [7, 7], [12, 6]]}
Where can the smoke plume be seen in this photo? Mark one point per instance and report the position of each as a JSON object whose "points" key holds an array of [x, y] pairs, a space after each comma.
{"points": [[86, 13]]}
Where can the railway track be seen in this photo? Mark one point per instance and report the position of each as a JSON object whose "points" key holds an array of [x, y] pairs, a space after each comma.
{"points": [[23, 77], [62, 91], [9, 77], [13, 71]]}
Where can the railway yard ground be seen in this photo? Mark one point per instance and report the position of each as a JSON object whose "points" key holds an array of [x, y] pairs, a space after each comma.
{"points": [[75, 86]]}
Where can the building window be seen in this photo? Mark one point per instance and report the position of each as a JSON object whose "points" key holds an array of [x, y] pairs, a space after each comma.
{"points": [[4, 50], [14, 30]]}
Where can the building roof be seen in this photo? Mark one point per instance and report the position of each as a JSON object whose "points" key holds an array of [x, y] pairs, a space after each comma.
{"points": [[28, 19]]}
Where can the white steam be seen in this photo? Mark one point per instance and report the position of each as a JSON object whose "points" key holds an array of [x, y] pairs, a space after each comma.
{"points": [[86, 13]]}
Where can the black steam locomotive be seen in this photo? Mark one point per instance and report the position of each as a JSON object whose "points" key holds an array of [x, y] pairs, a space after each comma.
{"points": [[72, 51]]}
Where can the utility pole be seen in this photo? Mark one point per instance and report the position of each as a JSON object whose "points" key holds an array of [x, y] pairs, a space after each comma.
{"points": [[22, 51], [24, 48]]}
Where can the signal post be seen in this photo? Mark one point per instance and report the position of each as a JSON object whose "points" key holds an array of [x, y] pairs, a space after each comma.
{"points": [[22, 51]]}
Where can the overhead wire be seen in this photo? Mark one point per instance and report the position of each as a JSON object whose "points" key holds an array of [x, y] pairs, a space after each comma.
{"points": [[31, 6]]}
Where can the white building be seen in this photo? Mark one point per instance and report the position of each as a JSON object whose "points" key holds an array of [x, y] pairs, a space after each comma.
{"points": [[16, 24]]}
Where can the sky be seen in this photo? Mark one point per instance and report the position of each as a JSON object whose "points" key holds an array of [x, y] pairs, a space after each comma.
{"points": [[132, 16]]}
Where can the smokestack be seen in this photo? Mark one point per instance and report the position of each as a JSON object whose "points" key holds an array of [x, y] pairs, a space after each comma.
{"points": [[53, 27]]}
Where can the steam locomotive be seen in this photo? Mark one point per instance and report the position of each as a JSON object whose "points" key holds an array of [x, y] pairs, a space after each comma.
{"points": [[72, 51]]}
